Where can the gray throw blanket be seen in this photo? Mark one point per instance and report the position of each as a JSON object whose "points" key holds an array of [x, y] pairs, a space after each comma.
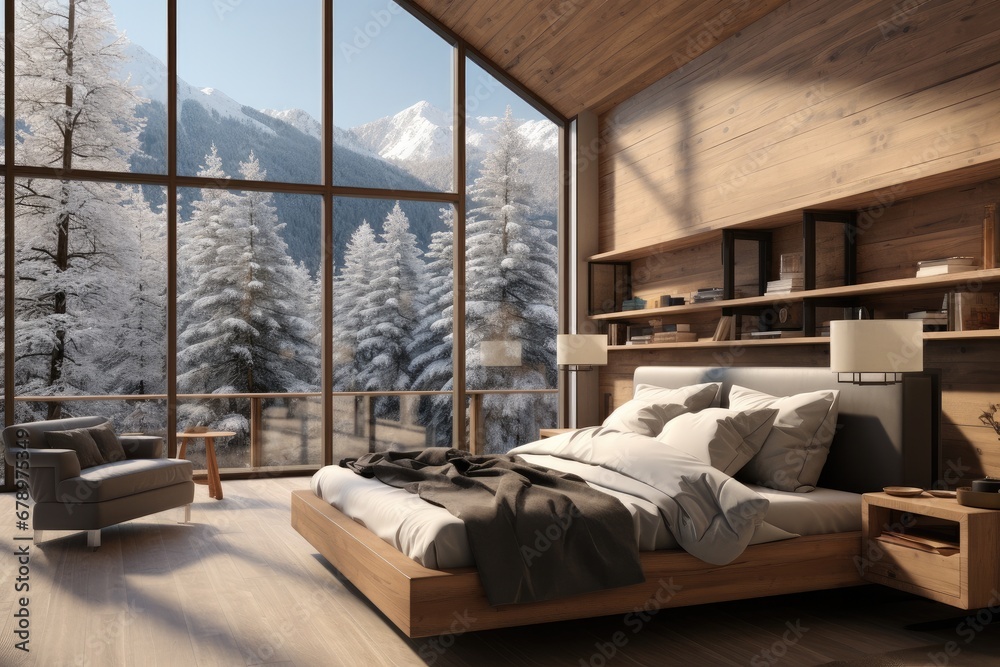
{"points": [[536, 534]]}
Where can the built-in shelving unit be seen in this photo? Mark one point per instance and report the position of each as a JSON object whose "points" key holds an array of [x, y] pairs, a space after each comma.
{"points": [[804, 340], [866, 289]]}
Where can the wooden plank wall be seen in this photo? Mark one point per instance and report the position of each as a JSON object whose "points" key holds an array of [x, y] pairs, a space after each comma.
{"points": [[820, 101], [816, 101], [890, 243]]}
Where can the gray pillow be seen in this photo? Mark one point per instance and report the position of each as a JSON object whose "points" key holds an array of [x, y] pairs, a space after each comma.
{"points": [[793, 455], [107, 442], [80, 441], [724, 439], [652, 407]]}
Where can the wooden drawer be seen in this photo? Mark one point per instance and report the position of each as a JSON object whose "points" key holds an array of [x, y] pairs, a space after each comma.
{"points": [[912, 566]]}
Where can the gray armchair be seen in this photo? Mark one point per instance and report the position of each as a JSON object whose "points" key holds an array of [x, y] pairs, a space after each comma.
{"points": [[70, 498]]}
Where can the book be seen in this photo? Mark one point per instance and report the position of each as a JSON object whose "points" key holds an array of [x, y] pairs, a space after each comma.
{"points": [[947, 261], [919, 542], [991, 237], [723, 330], [675, 337], [943, 269], [763, 335]]}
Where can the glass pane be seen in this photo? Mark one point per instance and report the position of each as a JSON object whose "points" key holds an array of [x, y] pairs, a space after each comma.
{"points": [[148, 417], [3, 295], [292, 432], [250, 77], [396, 133], [513, 419], [393, 302], [88, 97], [511, 260], [248, 303], [224, 412], [3, 88], [90, 289], [357, 430]]}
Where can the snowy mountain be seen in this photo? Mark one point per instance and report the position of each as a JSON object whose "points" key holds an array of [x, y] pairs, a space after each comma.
{"points": [[411, 150], [419, 139]]}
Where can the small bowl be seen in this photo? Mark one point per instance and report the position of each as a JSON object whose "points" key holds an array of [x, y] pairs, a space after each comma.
{"points": [[903, 491]]}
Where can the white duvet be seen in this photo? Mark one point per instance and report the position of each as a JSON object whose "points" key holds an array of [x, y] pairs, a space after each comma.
{"points": [[711, 515]]}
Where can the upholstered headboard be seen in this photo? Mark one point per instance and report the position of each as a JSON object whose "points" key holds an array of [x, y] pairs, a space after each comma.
{"points": [[886, 434]]}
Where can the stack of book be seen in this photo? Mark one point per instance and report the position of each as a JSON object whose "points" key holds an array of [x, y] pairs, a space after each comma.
{"points": [[637, 334], [791, 278], [785, 285], [707, 294], [633, 304], [674, 337], [945, 265], [934, 320]]}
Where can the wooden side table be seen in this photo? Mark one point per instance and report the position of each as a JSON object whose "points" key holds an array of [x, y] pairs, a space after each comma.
{"points": [[968, 579], [211, 463], [549, 432]]}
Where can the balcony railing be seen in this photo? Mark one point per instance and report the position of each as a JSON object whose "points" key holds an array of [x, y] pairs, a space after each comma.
{"points": [[285, 429]]}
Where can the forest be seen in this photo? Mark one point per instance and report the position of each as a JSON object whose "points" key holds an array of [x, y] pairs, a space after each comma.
{"points": [[91, 260]]}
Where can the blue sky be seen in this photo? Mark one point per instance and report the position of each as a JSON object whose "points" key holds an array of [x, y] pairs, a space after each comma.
{"points": [[259, 53]]}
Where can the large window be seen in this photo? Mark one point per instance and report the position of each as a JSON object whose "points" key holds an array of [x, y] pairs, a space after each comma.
{"points": [[215, 293]]}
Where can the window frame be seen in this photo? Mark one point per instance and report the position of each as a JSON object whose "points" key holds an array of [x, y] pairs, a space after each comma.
{"points": [[326, 189]]}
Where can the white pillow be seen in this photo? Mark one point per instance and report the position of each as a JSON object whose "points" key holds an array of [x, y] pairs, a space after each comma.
{"points": [[652, 407], [724, 439], [793, 455], [695, 396]]}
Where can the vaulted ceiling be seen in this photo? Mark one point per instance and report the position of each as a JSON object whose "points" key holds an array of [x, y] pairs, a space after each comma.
{"points": [[592, 54]]}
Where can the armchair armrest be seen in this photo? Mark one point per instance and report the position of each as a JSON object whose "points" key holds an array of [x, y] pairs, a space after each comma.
{"points": [[142, 446], [46, 469]]}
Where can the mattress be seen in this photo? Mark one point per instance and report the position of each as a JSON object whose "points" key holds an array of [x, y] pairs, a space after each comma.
{"points": [[435, 538]]}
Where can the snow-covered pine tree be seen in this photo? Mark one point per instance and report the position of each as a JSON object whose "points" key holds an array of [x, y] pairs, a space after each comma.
{"points": [[73, 113], [134, 357], [390, 313], [350, 294], [244, 327], [511, 278], [431, 348]]}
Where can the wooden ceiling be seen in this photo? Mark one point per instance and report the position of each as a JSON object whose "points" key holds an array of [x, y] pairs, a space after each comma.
{"points": [[592, 54]]}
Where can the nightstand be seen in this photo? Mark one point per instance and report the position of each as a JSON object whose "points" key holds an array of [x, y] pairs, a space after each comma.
{"points": [[968, 579], [549, 432]]}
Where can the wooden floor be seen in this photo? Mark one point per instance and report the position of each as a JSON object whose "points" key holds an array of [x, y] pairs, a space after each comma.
{"points": [[239, 587]]}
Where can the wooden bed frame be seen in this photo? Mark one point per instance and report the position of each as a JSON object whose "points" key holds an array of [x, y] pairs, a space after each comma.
{"points": [[424, 602]]}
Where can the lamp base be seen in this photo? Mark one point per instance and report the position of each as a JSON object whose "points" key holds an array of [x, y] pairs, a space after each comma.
{"points": [[870, 378]]}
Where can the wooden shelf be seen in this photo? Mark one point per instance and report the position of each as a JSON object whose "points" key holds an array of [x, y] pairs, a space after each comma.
{"points": [[803, 340], [882, 287], [629, 254]]}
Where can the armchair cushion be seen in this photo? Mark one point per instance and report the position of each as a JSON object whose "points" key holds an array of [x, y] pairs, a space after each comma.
{"points": [[80, 441], [122, 479], [107, 442]]}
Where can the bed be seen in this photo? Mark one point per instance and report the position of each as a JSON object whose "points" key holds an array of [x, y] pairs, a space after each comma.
{"points": [[884, 436]]}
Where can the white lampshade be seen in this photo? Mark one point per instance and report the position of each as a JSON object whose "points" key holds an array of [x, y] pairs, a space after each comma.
{"points": [[581, 350], [500, 353], [876, 346]]}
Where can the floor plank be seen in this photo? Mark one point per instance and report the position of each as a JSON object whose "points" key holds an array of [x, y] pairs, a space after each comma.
{"points": [[238, 586]]}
